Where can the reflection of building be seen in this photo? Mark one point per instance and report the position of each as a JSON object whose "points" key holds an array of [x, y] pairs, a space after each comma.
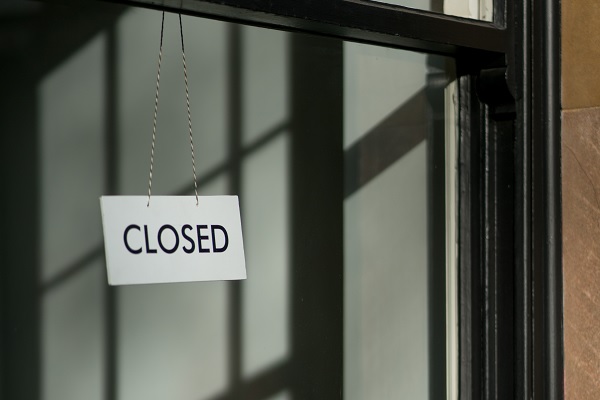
{"points": [[337, 152]]}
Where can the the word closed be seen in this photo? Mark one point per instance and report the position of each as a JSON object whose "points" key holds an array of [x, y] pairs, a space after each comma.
{"points": [[168, 239]]}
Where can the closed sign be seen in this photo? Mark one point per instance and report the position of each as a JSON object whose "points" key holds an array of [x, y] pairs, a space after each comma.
{"points": [[173, 239]]}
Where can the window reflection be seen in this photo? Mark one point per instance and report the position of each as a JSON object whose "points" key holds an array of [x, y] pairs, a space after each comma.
{"points": [[326, 144]]}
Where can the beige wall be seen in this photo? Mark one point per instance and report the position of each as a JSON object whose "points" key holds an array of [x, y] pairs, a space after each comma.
{"points": [[581, 196]]}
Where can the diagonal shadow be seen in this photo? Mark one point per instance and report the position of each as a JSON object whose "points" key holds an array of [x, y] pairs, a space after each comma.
{"points": [[387, 142], [263, 386]]}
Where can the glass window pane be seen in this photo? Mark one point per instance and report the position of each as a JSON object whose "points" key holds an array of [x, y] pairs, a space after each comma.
{"points": [[71, 127], [334, 150], [393, 129], [73, 337], [476, 9], [138, 34], [265, 295]]}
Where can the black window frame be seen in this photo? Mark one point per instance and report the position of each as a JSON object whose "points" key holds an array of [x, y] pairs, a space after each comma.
{"points": [[510, 254]]}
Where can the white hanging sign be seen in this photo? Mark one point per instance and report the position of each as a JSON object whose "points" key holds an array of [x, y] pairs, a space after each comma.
{"points": [[172, 239]]}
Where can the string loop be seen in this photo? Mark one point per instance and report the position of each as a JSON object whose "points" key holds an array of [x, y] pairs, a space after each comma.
{"points": [[187, 98]]}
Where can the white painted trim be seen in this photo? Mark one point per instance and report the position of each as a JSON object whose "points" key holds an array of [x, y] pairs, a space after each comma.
{"points": [[451, 138]]}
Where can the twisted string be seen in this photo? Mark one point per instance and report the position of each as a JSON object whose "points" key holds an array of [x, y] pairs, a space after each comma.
{"points": [[155, 109], [187, 99], [189, 114]]}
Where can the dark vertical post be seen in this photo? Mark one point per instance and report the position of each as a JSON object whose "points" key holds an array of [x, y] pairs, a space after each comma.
{"points": [[235, 92], [469, 239], [436, 232], [488, 267], [535, 61], [20, 232], [519, 79], [499, 260], [546, 128], [317, 217]]}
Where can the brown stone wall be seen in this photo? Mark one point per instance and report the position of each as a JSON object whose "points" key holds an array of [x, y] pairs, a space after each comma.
{"points": [[581, 196], [581, 252]]}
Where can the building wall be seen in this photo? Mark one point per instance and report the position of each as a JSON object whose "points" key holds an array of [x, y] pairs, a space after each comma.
{"points": [[581, 196]]}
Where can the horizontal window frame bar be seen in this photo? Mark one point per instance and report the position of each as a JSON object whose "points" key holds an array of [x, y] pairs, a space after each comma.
{"points": [[352, 20]]}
